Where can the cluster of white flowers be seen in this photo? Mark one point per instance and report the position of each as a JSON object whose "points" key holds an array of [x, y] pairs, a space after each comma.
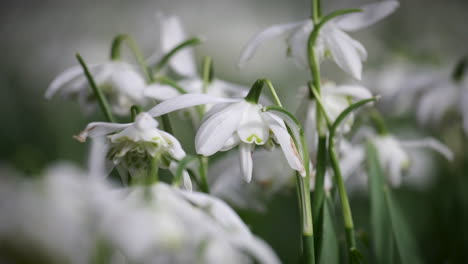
{"points": [[73, 218], [147, 220]]}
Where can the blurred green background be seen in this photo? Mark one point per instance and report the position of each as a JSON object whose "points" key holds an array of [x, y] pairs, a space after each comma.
{"points": [[40, 38]]}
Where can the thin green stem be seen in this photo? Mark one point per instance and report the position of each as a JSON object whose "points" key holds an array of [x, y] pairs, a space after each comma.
{"points": [[316, 11], [103, 104], [135, 110], [116, 51], [207, 73], [303, 185], [204, 186], [273, 92], [153, 173], [347, 215], [172, 83], [165, 59]]}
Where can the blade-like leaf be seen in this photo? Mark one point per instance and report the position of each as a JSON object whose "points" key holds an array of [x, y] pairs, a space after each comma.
{"points": [[329, 246], [404, 240], [380, 221]]}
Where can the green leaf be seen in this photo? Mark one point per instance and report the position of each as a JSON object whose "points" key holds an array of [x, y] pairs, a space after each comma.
{"points": [[380, 222], [405, 243], [329, 252]]}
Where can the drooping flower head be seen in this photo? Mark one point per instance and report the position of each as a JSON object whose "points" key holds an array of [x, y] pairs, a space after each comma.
{"points": [[347, 52], [136, 144], [121, 83], [236, 122]]}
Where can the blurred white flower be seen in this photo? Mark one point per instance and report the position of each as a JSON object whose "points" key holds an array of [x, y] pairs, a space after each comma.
{"points": [[226, 182], [136, 144], [233, 122], [184, 64], [440, 96], [69, 217], [53, 217], [335, 99], [121, 83], [392, 155], [345, 51], [167, 224]]}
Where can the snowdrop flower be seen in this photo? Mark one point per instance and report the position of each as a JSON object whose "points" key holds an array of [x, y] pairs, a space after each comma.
{"points": [[136, 144], [392, 153], [120, 81], [183, 63], [442, 95], [345, 51], [51, 219], [165, 224], [233, 122], [335, 98]]}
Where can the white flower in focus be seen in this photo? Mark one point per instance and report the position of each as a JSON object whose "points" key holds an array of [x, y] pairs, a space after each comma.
{"points": [[136, 144], [121, 83], [233, 122], [347, 53]]}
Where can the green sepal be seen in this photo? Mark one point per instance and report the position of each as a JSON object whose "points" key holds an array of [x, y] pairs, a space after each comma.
{"points": [[254, 94]]}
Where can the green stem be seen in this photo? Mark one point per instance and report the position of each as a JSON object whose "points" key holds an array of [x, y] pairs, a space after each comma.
{"points": [[316, 11], [319, 193], [165, 59], [347, 215], [273, 92], [134, 111], [116, 51], [204, 186], [207, 73], [307, 220], [103, 104], [153, 174]]}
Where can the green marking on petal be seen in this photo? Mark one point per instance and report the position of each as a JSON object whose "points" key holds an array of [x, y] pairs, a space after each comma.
{"points": [[255, 138]]}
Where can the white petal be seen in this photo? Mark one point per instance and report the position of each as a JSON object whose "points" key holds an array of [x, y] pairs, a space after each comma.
{"points": [[98, 165], [176, 150], [62, 79], [252, 128], [371, 13], [187, 100], [216, 130], [395, 167], [431, 143], [245, 151], [187, 182], [96, 129], [173, 34], [265, 35], [128, 82], [290, 151], [160, 92], [344, 52], [356, 91], [231, 142], [298, 43], [351, 160]]}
